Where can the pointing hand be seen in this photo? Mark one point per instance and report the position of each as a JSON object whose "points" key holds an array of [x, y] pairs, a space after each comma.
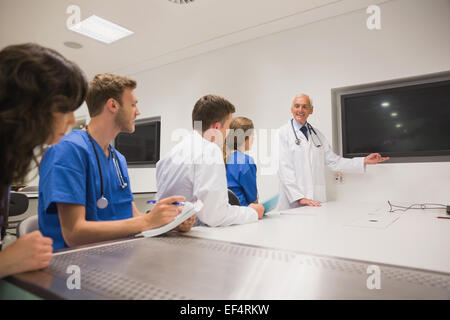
{"points": [[374, 158]]}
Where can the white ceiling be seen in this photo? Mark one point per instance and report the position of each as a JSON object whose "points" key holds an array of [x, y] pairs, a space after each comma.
{"points": [[164, 31]]}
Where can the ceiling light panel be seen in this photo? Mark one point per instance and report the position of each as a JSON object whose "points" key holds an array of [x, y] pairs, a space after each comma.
{"points": [[101, 29]]}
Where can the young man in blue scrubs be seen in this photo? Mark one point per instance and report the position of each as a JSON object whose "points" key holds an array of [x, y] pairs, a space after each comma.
{"points": [[84, 188]]}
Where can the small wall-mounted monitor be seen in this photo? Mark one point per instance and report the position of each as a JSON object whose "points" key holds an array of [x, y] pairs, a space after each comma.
{"points": [[143, 146], [404, 121]]}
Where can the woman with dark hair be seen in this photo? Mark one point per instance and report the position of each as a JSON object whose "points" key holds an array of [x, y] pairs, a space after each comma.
{"points": [[39, 91], [240, 167]]}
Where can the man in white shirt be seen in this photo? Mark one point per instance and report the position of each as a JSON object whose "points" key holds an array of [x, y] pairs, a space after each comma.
{"points": [[304, 152], [195, 169]]}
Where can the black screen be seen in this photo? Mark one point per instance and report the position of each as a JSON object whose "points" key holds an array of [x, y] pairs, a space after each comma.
{"points": [[406, 121], [142, 146]]}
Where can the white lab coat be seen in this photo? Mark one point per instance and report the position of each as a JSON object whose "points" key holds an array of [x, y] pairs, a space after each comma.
{"points": [[301, 167], [195, 169]]}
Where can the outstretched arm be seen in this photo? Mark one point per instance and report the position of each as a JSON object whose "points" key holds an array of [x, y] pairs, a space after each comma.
{"points": [[374, 158]]}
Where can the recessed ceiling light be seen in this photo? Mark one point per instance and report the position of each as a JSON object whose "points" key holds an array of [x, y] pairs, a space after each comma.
{"points": [[394, 114], [73, 45], [100, 29], [385, 104], [398, 125]]}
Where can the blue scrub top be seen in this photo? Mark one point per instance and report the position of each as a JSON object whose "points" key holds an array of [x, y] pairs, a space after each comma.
{"points": [[241, 177], [69, 174]]}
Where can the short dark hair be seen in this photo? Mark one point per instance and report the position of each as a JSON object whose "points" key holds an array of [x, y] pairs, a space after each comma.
{"points": [[105, 86], [210, 109]]}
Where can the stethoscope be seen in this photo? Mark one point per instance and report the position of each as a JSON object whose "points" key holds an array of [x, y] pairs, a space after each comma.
{"points": [[310, 130], [102, 202]]}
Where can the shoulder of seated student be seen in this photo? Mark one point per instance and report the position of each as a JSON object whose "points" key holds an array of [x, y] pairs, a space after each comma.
{"points": [[72, 144]]}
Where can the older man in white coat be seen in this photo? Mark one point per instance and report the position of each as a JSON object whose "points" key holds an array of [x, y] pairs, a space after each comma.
{"points": [[303, 153]]}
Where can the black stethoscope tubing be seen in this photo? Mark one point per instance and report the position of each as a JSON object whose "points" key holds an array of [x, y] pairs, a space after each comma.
{"points": [[102, 202], [310, 130]]}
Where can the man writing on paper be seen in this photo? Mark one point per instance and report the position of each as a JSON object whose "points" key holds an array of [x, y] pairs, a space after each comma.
{"points": [[195, 168], [84, 189], [303, 153]]}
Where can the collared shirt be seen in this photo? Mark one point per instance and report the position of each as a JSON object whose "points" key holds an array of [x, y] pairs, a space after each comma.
{"points": [[299, 126], [194, 168]]}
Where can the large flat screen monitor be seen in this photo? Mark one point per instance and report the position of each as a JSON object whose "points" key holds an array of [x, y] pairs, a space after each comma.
{"points": [[403, 121], [143, 146]]}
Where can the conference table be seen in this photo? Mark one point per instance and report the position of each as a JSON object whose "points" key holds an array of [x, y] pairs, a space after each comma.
{"points": [[357, 230], [340, 250]]}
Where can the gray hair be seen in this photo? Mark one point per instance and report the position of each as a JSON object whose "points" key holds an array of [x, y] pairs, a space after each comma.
{"points": [[304, 95]]}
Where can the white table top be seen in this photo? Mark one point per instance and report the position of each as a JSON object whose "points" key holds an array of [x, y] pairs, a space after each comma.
{"points": [[415, 238]]}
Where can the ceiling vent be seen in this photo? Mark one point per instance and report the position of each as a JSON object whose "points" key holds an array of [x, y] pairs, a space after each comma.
{"points": [[181, 1]]}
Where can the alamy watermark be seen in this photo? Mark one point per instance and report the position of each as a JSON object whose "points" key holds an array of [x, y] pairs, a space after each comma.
{"points": [[374, 20], [75, 16], [374, 280], [74, 280], [264, 150]]}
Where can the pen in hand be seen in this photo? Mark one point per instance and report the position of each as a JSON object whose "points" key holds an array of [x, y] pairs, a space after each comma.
{"points": [[177, 203]]}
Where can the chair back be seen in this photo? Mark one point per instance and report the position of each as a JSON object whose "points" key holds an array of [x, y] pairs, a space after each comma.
{"points": [[28, 225], [233, 199], [18, 203]]}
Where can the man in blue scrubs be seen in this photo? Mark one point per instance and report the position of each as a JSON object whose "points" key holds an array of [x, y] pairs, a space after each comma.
{"points": [[84, 188]]}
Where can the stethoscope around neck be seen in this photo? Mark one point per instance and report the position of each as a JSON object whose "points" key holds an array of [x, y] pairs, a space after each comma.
{"points": [[102, 202], [311, 131]]}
